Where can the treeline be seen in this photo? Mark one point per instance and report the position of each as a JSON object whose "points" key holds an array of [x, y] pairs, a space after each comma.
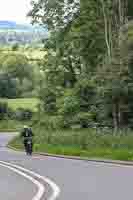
{"points": [[18, 80], [17, 76], [21, 37], [87, 75]]}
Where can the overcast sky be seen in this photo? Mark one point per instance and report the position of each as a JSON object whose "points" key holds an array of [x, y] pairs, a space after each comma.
{"points": [[15, 10]]}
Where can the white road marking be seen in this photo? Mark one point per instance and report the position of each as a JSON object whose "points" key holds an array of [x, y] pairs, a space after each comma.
{"points": [[55, 188], [40, 187]]}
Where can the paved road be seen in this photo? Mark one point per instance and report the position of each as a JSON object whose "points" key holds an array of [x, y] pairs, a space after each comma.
{"points": [[77, 180], [13, 186]]}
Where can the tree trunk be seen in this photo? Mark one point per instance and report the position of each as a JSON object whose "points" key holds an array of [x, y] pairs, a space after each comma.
{"points": [[107, 28], [116, 115]]}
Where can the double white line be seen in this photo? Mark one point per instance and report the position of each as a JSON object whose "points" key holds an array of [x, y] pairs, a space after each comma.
{"points": [[28, 174]]}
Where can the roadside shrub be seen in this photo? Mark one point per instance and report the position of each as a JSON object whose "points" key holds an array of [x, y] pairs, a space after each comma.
{"points": [[85, 119]]}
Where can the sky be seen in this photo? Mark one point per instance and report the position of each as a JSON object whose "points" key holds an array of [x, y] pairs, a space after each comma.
{"points": [[14, 10]]}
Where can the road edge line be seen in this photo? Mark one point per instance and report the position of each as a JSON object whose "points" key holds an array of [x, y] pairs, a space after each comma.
{"points": [[54, 187], [40, 187], [97, 160]]}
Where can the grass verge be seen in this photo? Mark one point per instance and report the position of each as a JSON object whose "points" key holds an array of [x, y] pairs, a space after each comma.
{"points": [[11, 125], [97, 151]]}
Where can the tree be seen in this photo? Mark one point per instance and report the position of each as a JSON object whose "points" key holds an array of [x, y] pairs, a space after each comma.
{"points": [[115, 73], [8, 86], [88, 47], [17, 66], [15, 47], [54, 14]]}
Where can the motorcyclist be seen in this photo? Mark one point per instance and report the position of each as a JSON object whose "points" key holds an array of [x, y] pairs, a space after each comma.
{"points": [[27, 135]]}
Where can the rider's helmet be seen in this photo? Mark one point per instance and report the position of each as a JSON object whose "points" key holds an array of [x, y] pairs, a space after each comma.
{"points": [[25, 126]]}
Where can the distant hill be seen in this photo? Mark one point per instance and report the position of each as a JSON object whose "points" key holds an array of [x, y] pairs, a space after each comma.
{"points": [[11, 25], [7, 24], [13, 32]]}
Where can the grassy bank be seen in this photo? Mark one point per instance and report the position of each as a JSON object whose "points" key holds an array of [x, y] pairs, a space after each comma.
{"points": [[11, 125], [82, 143], [14, 124], [25, 103]]}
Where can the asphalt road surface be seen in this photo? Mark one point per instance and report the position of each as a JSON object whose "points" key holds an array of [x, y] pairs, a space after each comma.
{"points": [[47, 178]]}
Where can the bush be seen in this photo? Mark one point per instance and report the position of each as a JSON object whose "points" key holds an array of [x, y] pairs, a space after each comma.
{"points": [[85, 90], [8, 86], [48, 99], [23, 114], [15, 47], [3, 110], [85, 119], [68, 106]]}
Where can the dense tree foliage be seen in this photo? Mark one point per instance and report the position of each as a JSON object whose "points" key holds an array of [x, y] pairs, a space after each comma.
{"points": [[8, 87], [88, 69], [16, 75]]}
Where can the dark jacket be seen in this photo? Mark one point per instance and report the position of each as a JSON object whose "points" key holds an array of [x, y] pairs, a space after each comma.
{"points": [[26, 133]]}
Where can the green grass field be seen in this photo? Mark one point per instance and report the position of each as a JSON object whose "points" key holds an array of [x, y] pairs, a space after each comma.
{"points": [[12, 125], [82, 143], [31, 54], [26, 103], [72, 150]]}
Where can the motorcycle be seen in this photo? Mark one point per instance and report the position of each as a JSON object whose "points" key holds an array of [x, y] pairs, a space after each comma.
{"points": [[29, 146]]}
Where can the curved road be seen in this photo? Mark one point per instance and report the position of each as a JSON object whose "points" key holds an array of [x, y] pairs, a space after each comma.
{"points": [[77, 180]]}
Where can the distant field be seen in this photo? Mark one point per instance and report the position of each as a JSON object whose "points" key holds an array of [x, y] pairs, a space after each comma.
{"points": [[35, 55], [25, 103], [31, 54]]}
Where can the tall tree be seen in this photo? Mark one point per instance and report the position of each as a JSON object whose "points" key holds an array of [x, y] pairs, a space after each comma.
{"points": [[88, 41]]}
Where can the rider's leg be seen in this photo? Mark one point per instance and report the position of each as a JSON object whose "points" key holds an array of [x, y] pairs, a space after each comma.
{"points": [[25, 145], [30, 150]]}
